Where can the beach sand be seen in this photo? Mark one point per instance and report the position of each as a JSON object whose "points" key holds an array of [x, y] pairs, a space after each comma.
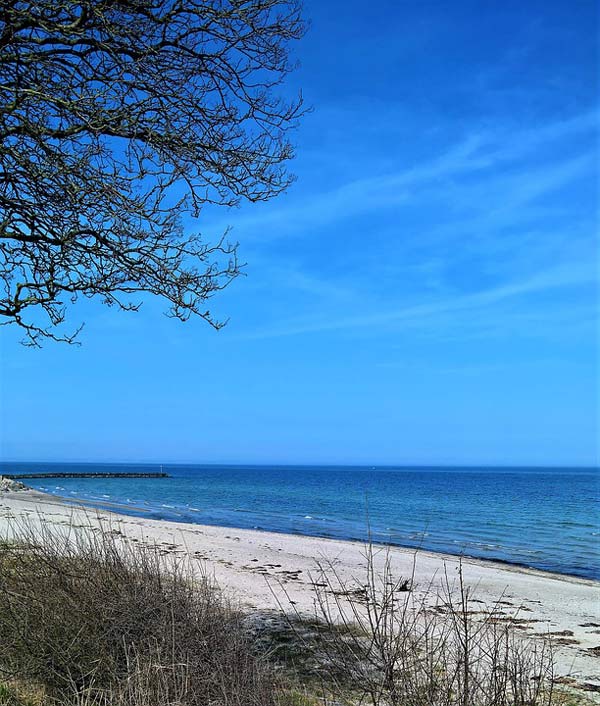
{"points": [[252, 566]]}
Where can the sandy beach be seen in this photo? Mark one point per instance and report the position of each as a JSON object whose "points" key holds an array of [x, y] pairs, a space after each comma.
{"points": [[254, 565]]}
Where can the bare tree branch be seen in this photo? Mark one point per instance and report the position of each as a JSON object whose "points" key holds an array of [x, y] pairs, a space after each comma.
{"points": [[115, 119]]}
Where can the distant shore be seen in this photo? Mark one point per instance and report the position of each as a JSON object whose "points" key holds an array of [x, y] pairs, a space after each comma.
{"points": [[260, 567]]}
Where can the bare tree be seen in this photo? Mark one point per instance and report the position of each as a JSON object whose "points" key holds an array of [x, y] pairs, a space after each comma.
{"points": [[116, 118]]}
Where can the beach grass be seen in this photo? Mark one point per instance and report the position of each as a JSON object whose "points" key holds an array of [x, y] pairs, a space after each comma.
{"points": [[16, 693], [90, 618], [87, 615]]}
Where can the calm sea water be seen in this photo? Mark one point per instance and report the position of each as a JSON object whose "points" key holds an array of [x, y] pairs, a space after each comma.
{"points": [[547, 518]]}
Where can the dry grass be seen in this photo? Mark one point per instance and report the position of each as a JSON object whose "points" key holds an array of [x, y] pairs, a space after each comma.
{"points": [[381, 642], [90, 618], [96, 620]]}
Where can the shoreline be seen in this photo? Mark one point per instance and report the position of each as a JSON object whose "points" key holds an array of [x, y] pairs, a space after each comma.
{"points": [[251, 564], [139, 511]]}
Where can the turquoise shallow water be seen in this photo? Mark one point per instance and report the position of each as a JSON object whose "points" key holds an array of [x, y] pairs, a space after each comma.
{"points": [[547, 518]]}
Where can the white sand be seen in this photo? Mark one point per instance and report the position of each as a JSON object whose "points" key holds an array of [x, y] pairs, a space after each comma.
{"points": [[248, 562]]}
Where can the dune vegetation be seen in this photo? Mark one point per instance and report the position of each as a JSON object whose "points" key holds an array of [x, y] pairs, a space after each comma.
{"points": [[91, 619]]}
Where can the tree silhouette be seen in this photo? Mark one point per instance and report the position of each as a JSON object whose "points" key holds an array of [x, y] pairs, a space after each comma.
{"points": [[118, 117]]}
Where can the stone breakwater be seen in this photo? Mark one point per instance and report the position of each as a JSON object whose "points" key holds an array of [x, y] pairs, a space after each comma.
{"points": [[8, 485], [17, 476]]}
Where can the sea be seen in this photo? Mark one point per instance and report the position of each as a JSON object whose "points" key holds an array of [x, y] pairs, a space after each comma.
{"points": [[543, 518]]}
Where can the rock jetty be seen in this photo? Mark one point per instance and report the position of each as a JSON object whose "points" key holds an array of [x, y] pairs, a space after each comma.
{"points": [[8, 485]]}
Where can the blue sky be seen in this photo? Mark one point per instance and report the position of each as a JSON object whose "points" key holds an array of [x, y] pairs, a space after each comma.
{"points": [[426, 292]]}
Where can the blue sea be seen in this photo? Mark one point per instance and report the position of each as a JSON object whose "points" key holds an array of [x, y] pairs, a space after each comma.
{"points": [[546, 518]]}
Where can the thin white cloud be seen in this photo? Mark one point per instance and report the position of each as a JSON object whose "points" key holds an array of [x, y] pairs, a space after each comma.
{"points": [[504, 193], [479, 152], [574, 274]]}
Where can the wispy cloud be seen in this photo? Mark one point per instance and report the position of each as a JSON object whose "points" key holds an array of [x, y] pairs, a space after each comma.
{"points": [[474, 231], [481, 151], [568, 275]]}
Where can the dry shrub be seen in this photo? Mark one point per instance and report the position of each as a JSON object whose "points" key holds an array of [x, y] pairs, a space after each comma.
{"points": [[97, 619], [382, 642]]}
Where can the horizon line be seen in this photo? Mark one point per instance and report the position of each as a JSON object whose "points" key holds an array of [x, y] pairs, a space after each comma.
{"points": [[373, 466]]}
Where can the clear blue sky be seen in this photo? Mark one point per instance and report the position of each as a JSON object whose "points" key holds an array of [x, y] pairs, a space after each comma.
{"points": [[425, 293]]}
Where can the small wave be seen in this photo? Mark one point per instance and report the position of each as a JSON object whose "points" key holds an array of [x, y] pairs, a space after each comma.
{"points": [[308, 517]]}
